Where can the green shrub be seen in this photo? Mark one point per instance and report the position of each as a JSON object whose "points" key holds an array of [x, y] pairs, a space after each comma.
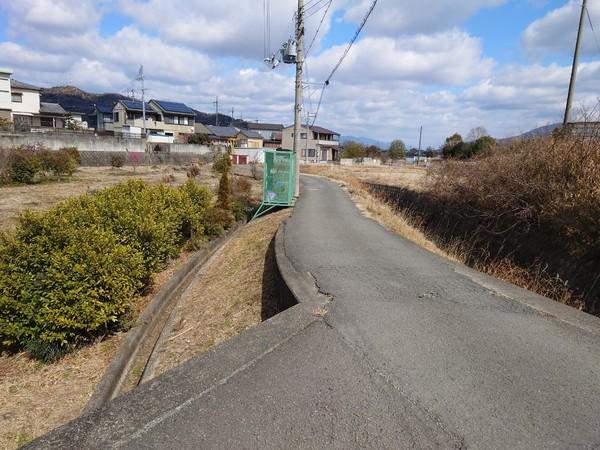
{"points": [[70, 274], [117, 160], [23, 164], [59, 162], [59, 293], [73, 153]]}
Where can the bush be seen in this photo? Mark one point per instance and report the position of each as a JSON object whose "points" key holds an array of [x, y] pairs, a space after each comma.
{"points": [[199, 139], [73, 153], [117, 160], [194, 171], [70, 274], [23, 164]]}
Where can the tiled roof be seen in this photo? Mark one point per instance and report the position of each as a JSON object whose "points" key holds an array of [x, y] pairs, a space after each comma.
{"points": [[265, 126], [251, 134], [105, 109], [51, 108], [223, 132], [16, 84]]}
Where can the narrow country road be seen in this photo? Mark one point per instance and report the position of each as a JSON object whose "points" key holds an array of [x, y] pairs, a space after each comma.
{"points": [[489, 369], [416, 352]]}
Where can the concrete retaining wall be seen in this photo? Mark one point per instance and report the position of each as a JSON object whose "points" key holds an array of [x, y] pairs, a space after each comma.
{"points": [[98, 150]]}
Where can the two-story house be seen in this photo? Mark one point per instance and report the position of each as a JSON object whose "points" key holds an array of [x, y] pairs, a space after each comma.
{"points": [[271, 133], [168, 119], [102, 118], [25, 100], [178, 118], [5, 95], [317, 144]]}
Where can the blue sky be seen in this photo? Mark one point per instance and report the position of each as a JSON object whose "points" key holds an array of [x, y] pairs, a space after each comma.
{"points": [[449, 65]]}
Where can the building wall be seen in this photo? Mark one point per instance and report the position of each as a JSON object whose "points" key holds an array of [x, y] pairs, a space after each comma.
{"points": [[92, 143], [5, 102], [29, 105]]}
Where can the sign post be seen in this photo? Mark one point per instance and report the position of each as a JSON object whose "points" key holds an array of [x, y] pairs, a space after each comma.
{"points": [[279, 181]]}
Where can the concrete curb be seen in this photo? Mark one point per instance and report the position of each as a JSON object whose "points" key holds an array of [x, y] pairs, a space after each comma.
{"points": [[301, 284], [116, 373]]}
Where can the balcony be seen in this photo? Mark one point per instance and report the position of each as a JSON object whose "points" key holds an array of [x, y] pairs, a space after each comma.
{"points": [[326, 143]]}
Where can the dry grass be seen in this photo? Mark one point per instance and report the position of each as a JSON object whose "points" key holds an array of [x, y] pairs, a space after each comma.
{"points": [[37, 397], [404, 176], [481, 213], [236, 290], [39, 197]]}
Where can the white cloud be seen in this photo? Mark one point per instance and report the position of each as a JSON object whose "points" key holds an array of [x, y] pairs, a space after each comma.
{"points": [[393, 17], [57, 16], [447, 58], [557, 30]]}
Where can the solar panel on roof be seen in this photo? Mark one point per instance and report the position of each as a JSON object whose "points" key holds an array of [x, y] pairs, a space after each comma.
{"points": [[175, 107]]}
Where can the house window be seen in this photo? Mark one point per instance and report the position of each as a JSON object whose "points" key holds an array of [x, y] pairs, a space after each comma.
{"points": [[17, 97], [302, 135], [116, 116], [46, 122], [311, 152]]}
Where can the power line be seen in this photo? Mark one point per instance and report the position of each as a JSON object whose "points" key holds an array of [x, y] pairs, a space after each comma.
{"points": [[343, 57], [318, 29], [587, 11]]}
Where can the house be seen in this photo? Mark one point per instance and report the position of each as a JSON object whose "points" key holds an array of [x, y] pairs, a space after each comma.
{"points": [[25, 104], [249, 139], [222, 135], [52, 115], [200, 128], [178, 118], [167, 120], [102, 118], [5, 96], [271, 133], [317, 144]]}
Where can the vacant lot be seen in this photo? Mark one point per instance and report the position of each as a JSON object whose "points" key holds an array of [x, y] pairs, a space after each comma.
{"points": [[37, 397], [38, 197], [403, 176]]}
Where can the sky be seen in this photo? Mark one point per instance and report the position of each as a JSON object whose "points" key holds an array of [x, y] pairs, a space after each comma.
{"points": [[446, 65]]}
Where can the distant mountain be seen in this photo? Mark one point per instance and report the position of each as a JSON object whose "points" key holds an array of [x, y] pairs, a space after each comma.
{"points": [[74, 99], [365, 140], [211, 119], [536, 132]]}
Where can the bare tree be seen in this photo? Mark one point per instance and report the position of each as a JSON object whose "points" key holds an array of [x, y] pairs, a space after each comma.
{"points": [[476, 133]]}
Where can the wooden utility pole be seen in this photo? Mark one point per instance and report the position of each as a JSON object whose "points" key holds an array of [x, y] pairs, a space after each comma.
{"points": [[298, 96], [567, 118], [216, 103]]}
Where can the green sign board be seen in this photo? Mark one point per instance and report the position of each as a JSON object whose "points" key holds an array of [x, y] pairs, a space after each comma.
{"points": [[279, 180]]}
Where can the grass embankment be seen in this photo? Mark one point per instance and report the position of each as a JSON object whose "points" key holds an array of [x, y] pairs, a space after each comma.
{"points": [[237, 289], [528, 213]]}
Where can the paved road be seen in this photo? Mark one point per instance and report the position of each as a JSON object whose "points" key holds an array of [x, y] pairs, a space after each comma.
{"points": [[414, 354]]}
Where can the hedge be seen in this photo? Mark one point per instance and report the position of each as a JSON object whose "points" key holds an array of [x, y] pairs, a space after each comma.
{"points": [[70, 274]]}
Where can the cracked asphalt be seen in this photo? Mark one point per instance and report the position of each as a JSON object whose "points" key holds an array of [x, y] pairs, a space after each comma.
{"points": [[415, 352]]}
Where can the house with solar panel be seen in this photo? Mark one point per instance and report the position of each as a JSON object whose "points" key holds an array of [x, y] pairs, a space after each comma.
{"points": [[165, 121]]}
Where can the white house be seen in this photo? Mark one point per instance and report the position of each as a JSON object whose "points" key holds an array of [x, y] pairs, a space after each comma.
{"points": [[5, 95], [25, 100]]}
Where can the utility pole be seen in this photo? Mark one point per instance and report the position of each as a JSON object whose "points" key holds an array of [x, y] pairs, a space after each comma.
{"points": [[232, 112], [419, 151], [567, 118], [216, 103], [298, 96], [141, 78]]}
